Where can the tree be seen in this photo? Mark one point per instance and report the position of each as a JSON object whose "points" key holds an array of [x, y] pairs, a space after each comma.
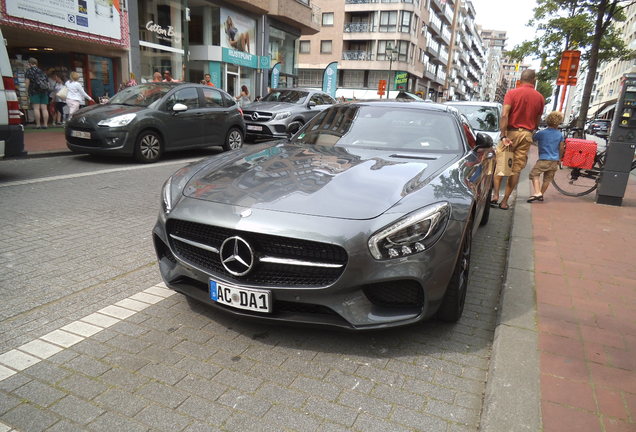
{"points": [[586, 25]]}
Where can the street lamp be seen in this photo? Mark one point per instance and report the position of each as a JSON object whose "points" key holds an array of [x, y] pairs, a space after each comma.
{"points": [[389, 52]]}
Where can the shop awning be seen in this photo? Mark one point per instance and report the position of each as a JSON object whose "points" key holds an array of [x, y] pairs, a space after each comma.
{"points": [[604, 109]]}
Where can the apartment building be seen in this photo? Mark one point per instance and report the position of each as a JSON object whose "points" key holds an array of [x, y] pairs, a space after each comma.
{"points": [[408, 43], [494, 43]]}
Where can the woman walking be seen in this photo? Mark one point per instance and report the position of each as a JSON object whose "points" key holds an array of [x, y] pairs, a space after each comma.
{"points": [[244, 98], [75, 95]]}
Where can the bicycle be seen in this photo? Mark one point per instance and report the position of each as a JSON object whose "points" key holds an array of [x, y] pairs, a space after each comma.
{"points": [[577, 182]]}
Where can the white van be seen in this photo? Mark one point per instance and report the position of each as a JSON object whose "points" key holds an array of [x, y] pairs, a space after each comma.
{"points": [[11, 129]]}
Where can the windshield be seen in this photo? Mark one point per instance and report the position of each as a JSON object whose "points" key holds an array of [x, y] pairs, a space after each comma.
{"points": [[382, 127], [481, 118], [290, 96], [140, 95]]}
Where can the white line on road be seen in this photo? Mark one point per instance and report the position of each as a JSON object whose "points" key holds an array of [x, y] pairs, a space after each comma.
{"points": [[91, 173], [33, 352]]}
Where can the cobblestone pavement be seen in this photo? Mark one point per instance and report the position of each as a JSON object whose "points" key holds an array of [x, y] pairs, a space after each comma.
{"points": [[75, 246]]}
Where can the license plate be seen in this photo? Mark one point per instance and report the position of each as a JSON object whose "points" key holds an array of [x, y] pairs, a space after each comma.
{"points": [[254, 128], [241, 298], [80, 134]]}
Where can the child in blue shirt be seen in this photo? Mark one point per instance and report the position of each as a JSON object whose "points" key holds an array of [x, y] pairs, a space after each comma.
{"points": [[550, 143]]}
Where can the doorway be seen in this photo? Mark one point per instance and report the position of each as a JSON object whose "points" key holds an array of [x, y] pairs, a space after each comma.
{"points": [[232, 79]]}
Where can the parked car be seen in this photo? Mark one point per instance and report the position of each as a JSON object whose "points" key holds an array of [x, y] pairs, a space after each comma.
{"points": [[363, 219], [147, 120], [482, 116], [599, 127], [11, 129], [271, 117]]}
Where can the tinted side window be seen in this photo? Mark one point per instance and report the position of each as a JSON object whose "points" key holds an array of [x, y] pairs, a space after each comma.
{"points": [[228, 101], [328, 100], [212, 98], [188, 96], [317, 99]]}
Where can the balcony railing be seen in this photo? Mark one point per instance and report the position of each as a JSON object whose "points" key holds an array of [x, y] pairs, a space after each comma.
{"points": [[357, 55], [359, 28]]}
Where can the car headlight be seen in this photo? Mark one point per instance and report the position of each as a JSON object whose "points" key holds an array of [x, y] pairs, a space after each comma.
{"points": [[118, 121], [411, 234], [282, 115], [166, 194]]}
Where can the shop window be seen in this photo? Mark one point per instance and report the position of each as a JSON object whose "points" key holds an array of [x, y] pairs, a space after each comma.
{"points": [[353, 78], [325, 47], [189, 97], [305, 47], [212, 98], [327, 19]]}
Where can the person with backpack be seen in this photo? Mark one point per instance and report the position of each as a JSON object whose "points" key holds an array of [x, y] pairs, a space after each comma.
{"points": [[37, 84]]}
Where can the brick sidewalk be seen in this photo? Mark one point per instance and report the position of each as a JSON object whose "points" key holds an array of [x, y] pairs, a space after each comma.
{"points": [[44, 140], [586, 310]]}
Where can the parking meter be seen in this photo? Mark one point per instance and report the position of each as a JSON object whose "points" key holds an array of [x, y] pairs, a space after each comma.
{"points": [[620, 146]]}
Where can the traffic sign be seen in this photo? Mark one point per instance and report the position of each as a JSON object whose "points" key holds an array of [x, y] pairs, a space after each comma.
{"points": [[569, 67], [381, 87]]}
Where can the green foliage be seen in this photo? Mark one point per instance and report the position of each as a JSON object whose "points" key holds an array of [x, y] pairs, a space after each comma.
{"points": [[569, 24], [545, 88]]}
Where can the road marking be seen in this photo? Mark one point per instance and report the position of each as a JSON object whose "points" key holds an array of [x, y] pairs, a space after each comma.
{"points": [[98, 172], [45, 346]]}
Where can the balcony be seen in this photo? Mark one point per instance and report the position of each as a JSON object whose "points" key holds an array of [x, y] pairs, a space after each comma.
{"points": [[448, 13], [296, 14], [359, 28], [357, 55]]}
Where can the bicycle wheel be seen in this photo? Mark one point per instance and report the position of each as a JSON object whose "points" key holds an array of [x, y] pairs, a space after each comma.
{"points": [[576, 181]]}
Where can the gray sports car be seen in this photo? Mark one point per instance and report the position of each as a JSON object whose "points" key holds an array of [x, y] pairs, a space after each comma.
{"points": [[362, 220]]}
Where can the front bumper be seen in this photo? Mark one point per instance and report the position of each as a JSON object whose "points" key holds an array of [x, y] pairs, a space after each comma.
{"points": [[103, 140], [363, 296], [270, 129]]}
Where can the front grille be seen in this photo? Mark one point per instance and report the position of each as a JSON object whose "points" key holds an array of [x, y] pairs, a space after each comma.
{"points": [[403, 293], [84, 142], [262, 116], [262, 274]]}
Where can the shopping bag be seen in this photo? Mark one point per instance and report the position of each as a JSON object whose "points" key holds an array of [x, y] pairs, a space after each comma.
{"points": [[62, 93], [504, 161]]}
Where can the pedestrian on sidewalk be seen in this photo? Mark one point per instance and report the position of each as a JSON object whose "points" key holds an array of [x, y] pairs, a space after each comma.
{"points": [[244, 98], [551, 145], [37, 84], [59, 102], [76, 94], [519, 119]]}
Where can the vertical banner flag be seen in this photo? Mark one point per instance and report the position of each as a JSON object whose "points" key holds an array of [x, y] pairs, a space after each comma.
{"points": [[275, 75], [330, 79]]}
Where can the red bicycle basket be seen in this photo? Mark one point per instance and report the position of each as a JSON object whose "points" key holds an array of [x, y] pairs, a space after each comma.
{"points": [[579, 153]]}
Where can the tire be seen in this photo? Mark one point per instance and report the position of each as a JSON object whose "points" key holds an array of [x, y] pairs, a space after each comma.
{"points": [[233, 140], [452, 305], [149, 147], [576, 182], [486, 214]]}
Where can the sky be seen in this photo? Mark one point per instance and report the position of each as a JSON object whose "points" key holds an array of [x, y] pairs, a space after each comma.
{"points": [[510, 16]]}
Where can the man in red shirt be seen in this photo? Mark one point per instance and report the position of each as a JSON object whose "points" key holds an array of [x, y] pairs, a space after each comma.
{"points": [[520, 117]]}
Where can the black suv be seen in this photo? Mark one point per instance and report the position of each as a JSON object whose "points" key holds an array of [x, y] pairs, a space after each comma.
{"points": [[599, 127]]}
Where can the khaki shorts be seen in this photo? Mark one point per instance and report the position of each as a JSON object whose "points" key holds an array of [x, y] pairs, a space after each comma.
{"points": [[521, 142], [547, 167]]}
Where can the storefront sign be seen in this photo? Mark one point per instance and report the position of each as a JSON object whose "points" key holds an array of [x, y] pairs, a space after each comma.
{"points": [[96, 17], [275, 76], [167, 33], [238, 32], [330, 79], [401, 80]]}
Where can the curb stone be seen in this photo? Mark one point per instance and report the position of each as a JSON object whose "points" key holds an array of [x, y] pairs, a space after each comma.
{"points": [[512, 397]]}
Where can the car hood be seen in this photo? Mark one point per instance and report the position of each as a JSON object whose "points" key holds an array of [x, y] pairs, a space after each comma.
{"points": [[271, 106], [315, 180], [100, 112]]}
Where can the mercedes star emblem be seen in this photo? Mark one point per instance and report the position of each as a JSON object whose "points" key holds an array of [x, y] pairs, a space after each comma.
{"points": [[255, 116], [237, 256]]}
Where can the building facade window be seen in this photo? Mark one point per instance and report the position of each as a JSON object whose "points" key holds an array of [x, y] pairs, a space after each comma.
{"points": [[327, 19], [304, 47], [325, 47], [388, 21], [405, 26], [353, 78], [310, 78]]}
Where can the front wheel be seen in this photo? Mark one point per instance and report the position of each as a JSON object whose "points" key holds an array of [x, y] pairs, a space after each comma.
{"points": [[233, 140], [453, 304], [576, 182], [149, 147]]}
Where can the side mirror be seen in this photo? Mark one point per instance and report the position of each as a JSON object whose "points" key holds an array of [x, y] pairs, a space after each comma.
{"points": [[311, 104], [483, 140], [293, 128], [179, 107]]}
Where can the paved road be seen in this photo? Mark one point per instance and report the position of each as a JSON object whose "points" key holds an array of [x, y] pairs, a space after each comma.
{"points": [[76, 239]]}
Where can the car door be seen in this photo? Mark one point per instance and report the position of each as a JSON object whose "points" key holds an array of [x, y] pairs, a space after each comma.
{"points": [[215, 117], [480, 163], [186, 128]]}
